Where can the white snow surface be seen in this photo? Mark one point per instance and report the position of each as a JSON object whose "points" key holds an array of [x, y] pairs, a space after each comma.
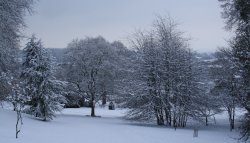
{"points": [[74, 126]]}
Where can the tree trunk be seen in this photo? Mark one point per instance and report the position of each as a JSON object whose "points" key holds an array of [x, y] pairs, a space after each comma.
{"points": [[19, 120], [104, 98], [17, 123], [231, 119], [174, 120], [92, 92], [93, 110], [92, 106], [231, 113], [159, 117], [206, 121], [14, 106], [168, 117], [161, 121]]}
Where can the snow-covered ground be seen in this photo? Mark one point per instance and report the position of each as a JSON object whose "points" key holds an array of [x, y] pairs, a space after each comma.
{"points": [[73, 126]]}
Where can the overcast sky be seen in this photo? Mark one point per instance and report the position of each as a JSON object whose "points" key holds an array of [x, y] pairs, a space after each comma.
{"points": [[57, 22]]}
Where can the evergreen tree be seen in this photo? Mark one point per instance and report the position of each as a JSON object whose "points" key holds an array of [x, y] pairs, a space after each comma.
{"points": [[43, 91]]}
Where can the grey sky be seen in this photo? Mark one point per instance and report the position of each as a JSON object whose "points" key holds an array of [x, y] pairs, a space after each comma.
{"points": [[57, 22]]}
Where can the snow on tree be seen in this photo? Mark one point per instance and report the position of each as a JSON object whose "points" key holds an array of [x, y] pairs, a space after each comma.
{"points": [[228, 82], [11, 21], [145, 104], [175, 57], [166, 87], [15, 95], [18, 99], [126, 63], [89, 66], [204, 104], [12, 14], [237, 16], [4, 87], [43, 91]]}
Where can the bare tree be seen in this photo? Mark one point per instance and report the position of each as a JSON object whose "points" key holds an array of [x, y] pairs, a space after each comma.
{"points": [[89, 67]]}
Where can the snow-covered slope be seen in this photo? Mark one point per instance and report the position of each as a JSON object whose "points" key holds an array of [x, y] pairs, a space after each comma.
{"points": [[73, 126]]}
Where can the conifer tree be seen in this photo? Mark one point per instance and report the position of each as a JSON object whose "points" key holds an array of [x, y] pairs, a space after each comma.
{"points": [[42, 90]]}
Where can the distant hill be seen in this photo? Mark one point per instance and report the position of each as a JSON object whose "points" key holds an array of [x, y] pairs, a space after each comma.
{"points": [[58, 53]]}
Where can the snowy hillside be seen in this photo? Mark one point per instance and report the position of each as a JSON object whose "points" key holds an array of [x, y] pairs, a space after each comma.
{"points": [[73, 126]]}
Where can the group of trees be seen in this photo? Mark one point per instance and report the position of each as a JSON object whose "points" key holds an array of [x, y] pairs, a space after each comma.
{"points": [[11, 22], [96, 70], [160, 79], [172, 83], [26, 80], [25, 77]]}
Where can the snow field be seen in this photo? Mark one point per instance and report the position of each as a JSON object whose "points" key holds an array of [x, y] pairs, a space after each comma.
{"points": [[74, 126]]}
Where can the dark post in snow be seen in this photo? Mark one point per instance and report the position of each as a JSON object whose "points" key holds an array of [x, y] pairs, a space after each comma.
{"points": [[195, 132], [111, 106]]}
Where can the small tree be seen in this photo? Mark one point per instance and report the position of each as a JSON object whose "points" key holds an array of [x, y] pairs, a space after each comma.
{"points": [[18, 100]]}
